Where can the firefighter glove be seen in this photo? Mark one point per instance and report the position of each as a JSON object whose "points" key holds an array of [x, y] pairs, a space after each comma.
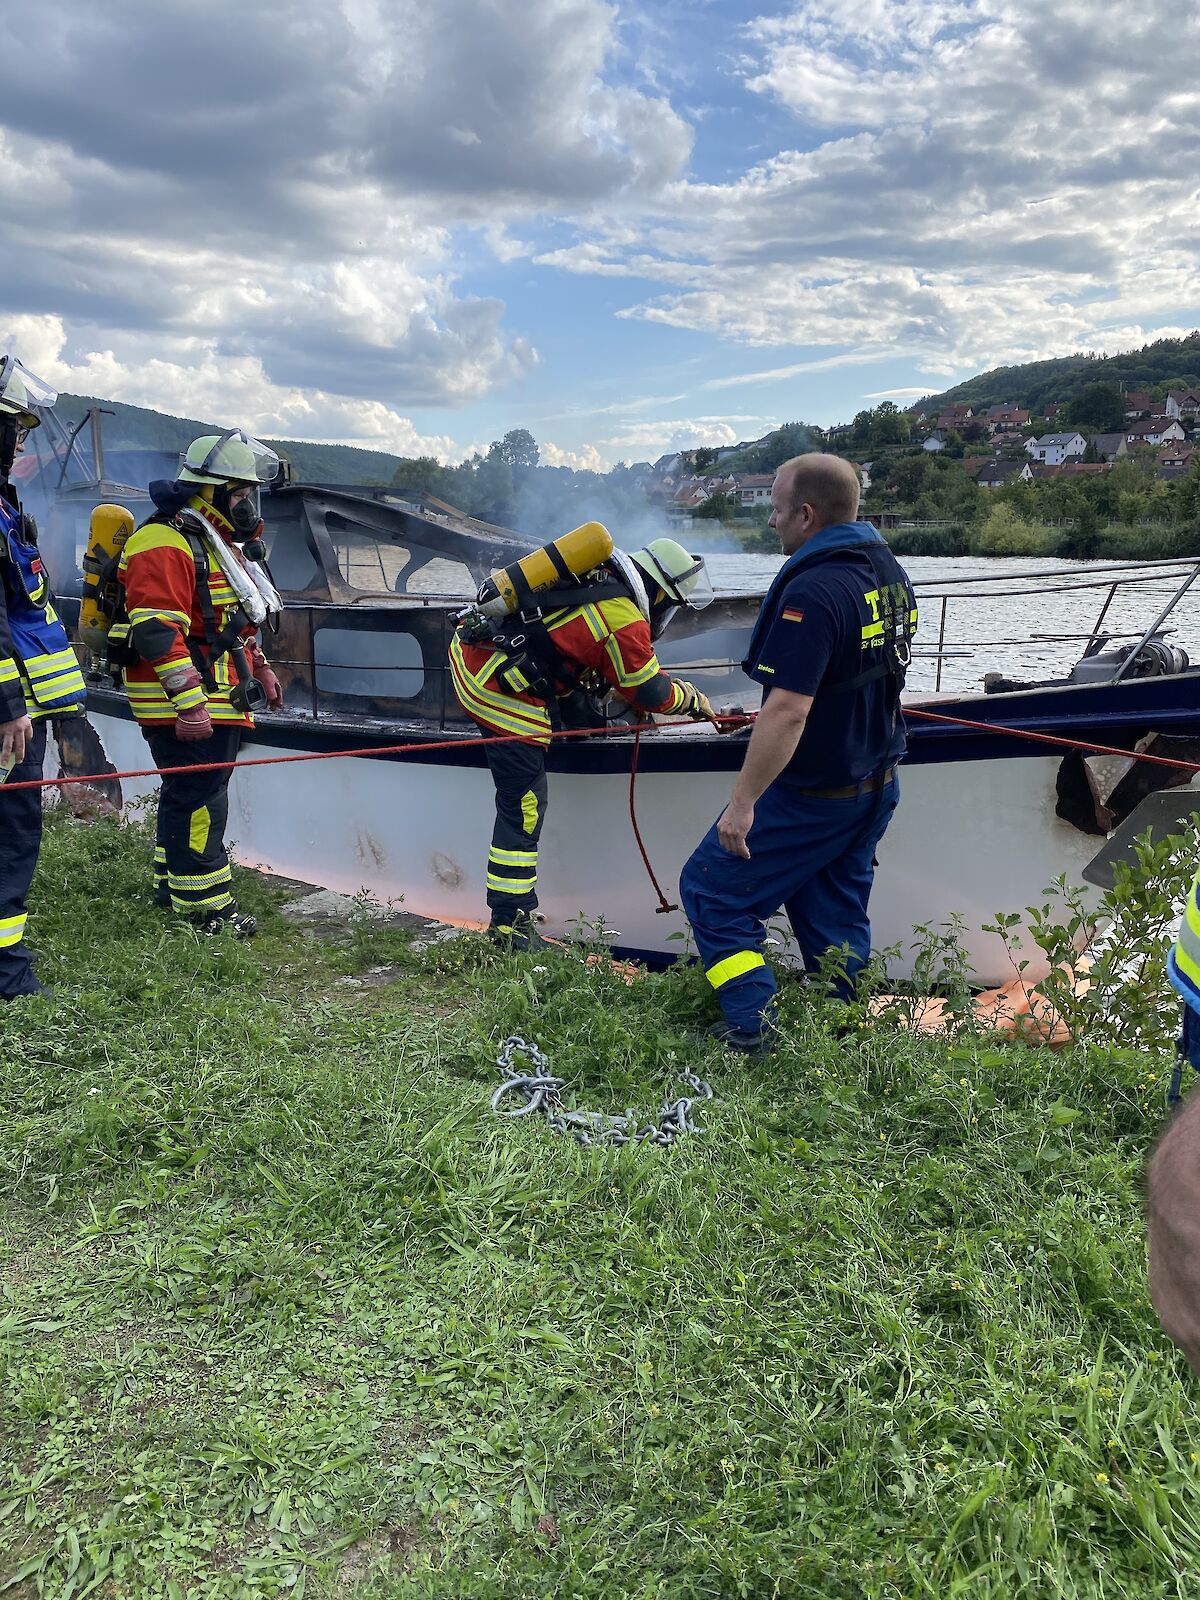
{"points": [[193, 724], [695, 705], [261, 669]]}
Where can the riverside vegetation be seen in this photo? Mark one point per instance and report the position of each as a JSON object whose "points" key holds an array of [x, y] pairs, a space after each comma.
{"points": [[286, 1311]]}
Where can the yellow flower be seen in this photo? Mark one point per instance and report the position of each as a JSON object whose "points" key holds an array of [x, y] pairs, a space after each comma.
{"points": [[1102, 1477]]}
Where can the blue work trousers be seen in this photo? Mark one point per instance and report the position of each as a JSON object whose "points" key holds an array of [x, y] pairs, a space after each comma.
{"points": [[20, 841], [813, 857]]}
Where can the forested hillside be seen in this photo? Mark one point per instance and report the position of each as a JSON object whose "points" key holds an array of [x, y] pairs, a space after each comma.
{"points": [[1173, 363]]}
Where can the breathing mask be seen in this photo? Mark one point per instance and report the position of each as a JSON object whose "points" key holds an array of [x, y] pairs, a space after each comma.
{"points": [[244, 515]]}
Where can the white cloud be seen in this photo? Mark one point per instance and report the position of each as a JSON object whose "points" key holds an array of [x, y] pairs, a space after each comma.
{"points": [[202, 384], [291, 185], [897, 394], [585, 459], [687, 433], [983, 186]]}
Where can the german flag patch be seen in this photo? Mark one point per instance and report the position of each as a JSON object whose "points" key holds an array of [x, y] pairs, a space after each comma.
{"points": [[791, 614]]}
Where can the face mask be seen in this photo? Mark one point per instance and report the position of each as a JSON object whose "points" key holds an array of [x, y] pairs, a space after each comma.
{"points": [[245, 517]]}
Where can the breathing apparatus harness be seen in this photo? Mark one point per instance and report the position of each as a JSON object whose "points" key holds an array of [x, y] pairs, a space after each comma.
{"points": [[575, 698], [257, 598]]}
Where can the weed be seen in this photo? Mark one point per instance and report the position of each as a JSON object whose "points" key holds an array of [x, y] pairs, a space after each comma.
{"points": [[284, 1311]]}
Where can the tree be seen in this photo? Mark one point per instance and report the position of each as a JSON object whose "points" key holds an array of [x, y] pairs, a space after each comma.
{"points": [[702, 459], [518, 448], [718, 506], [419, 474], [1099, 405]]}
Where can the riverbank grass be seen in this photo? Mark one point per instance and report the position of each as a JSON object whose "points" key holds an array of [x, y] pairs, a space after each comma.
{"points": [[286, 1311]]}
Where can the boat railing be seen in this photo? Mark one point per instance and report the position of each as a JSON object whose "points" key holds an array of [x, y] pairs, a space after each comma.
{"points": [[1116, 584]]}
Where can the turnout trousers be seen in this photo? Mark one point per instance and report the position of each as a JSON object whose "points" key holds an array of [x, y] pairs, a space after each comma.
{"points": [[519, 774], [191, 868], [813, 856], [20, 841]]}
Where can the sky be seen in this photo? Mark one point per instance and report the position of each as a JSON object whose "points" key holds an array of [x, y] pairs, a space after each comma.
{"points": [[630, 228]]}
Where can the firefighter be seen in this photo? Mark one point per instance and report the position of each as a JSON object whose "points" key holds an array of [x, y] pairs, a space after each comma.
{"points": [[818, 785], [39, 678], [197, 668], [548, 677]]}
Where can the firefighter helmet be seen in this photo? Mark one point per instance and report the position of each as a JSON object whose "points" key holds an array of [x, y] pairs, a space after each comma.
{"points": [[21, 392], [229, 457], [682, 577]]}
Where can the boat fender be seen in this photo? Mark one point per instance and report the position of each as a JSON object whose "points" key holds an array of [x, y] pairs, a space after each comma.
{"points": [[509, 588]]}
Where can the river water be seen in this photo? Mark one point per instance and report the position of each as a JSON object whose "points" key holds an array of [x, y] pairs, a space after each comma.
{"points": [[1002, 622]]}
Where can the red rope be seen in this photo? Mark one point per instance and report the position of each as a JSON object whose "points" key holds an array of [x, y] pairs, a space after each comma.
{"points": [[664, 905], [1055, 739]]}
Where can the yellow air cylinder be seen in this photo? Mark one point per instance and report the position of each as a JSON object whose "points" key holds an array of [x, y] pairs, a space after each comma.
{"points": [[108, 529], [570, 557]]}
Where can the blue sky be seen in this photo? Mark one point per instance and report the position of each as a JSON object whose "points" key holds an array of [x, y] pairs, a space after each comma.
{"points": [[628, 228]]}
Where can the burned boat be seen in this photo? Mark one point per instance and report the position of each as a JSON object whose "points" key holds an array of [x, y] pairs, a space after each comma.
{"points": [[372, 584]]}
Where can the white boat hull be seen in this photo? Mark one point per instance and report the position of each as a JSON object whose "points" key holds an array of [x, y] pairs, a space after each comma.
{"points": [[970, 839]]}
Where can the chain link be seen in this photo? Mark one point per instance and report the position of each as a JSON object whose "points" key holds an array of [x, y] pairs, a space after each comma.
{"points": [[542, 1091]]}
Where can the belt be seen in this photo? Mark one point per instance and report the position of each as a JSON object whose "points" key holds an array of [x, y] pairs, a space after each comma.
{"points": [[852, 790]]}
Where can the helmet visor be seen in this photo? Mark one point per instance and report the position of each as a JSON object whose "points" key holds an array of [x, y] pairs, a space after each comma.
{"points": [[236, 457], [692, 587], [23, 393]]}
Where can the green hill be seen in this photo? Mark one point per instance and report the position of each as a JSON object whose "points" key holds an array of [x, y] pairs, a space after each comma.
{"points": [[137, 428], [1172, 363]]}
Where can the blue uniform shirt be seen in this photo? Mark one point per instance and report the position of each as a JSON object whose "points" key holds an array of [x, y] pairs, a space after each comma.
{"points": [[821, 625]]}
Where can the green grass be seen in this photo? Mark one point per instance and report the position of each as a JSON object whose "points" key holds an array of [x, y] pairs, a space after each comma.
{"points": [[286, 1311]]}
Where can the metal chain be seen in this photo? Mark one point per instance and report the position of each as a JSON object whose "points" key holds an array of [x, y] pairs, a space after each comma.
{"points": [[542, 1097]]}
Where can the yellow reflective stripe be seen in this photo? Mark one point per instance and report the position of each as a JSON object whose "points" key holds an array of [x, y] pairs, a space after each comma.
{"points": [[595, 622], [529, 811], [1187, 942], [513, 858], [205, 880], [734, 967], [513, 716], [212, 902], [198, 830], [51, 661], [627, 679], [8, 669], [873, 630], [158, 614], [510, 885], [11, 930], [54, 688], [154, 536]]}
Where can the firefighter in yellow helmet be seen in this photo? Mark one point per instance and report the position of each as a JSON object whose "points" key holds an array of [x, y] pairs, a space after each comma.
{"points": [[195, 596], [39, 677], [533, 675]]}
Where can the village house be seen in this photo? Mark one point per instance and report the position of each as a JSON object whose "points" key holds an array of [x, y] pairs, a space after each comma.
{"points": [[953, 417], [1154, 430], [1052, 449], [936, 441], [1182, 402], [1108, 446], [754, 488], [1173, 459], [1006, 419], [1136, 401], [996, 473]]}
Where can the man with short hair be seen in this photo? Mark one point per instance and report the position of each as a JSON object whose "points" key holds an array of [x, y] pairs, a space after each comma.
{"points": [[818, 785]]}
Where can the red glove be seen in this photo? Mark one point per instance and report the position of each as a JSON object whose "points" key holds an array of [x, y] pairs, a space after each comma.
{"points": [[193, 725], [261, 668]]}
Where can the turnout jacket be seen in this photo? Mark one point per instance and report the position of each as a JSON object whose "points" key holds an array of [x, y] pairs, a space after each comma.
{"points": [[609, 636], [39, 672], [167, 623]]}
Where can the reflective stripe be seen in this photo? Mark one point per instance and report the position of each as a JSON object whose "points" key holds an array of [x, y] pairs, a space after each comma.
{"points": [[203, 880], [873, 630], [198, 830], [513, 858], [11, 930], [724, 971], [500, 711], [511, 885], [158, 614], [1187, 941], [216, 902], [529, 810], [8, 669], [631, 680]]}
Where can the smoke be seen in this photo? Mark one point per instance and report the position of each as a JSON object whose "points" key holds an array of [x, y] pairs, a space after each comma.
{"points": [[550, 500]]}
